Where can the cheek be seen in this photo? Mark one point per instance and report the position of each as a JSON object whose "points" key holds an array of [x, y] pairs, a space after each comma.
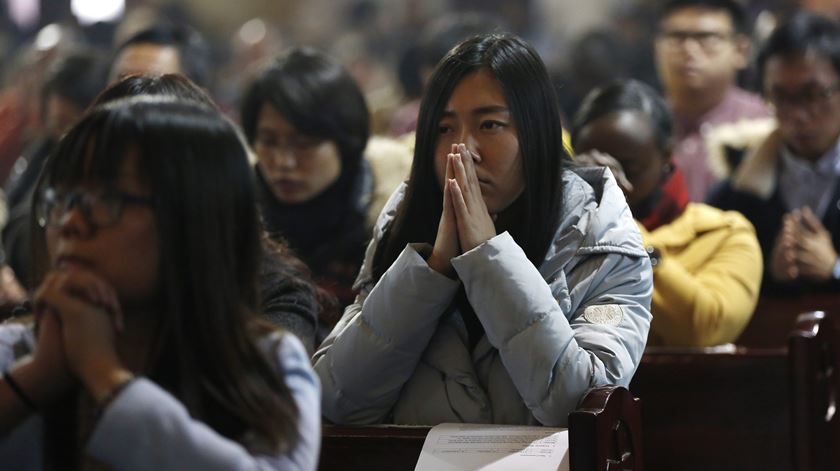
{"points": [[440, 166], [320, 172], [265, 161], [644, 186], [51, 239], [512, 163], [328, 172], [135, 270]]}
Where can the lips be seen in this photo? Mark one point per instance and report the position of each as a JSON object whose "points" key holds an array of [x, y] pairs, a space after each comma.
{"points": [[283, 185], [70, 261], [689, 69]]}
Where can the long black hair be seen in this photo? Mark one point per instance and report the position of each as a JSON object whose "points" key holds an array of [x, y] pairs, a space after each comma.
{"points": [[205, 348], [534, 108]]}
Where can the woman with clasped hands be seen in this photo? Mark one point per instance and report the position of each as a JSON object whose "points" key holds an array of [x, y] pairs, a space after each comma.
{"points": [[148, 351], [501, 284]]}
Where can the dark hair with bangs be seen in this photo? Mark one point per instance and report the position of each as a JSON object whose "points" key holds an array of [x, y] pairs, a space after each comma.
{"points": [[204, 350], [318, 97], [804, 33], [626, 95], [534, 109]]}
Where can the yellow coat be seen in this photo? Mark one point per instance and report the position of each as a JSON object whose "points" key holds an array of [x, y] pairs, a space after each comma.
{"points": [[706, 286]]}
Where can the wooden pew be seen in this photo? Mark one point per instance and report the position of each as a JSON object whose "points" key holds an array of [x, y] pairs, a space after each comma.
{"points": [[705, 410], [774, 318], [815, 389], [612, 416], [604, 435]]}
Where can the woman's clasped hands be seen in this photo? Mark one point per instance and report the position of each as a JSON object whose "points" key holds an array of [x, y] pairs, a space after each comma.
{"points": [[465, 222], [78, 317]]}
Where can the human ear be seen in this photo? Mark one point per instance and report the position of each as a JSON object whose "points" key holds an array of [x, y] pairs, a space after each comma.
{"points": [[742, 51]]}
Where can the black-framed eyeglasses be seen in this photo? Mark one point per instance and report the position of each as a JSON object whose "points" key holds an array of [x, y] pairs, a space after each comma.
{"points": [[299, 146], [809, 98], [101, 209], [709, 41]]}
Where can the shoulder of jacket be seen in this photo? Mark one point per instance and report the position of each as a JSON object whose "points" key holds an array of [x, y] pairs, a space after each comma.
{"points": [[705, 218], [594, 207], [390, 163]]}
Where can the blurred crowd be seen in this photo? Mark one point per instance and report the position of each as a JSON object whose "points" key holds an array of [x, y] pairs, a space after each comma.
{"points": [[494, 204]]}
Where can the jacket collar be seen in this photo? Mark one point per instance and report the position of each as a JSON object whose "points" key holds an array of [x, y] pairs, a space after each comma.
{"points": [[759, 171], [697, 219]]}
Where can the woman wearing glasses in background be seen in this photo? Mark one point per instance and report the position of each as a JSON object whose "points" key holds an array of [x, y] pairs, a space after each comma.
{"points": [[147, 350], [317, 175]]}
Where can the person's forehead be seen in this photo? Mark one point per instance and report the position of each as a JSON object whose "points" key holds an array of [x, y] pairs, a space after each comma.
{"points": [[147, 58], [479, 86], [619, 130], [799, 69], [697, 18]]}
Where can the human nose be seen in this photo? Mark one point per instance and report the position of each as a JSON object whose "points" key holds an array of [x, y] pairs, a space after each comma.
{"points": [[72, 221], [469, 141], [283, 157], [792, 111]]}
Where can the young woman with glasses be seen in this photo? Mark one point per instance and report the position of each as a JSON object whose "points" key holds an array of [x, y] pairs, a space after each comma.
{"points": [[147, 350]]}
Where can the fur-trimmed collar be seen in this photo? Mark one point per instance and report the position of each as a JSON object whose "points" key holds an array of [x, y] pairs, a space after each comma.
{"points": [[759, 171]]}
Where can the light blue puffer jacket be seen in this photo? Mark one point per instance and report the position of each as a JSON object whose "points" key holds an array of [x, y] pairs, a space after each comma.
{"points": [[581, 320]]}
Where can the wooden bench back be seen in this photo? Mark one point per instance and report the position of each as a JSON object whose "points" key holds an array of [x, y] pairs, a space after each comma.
{"points": [[721, 411], [814, 359], [603, 436]]}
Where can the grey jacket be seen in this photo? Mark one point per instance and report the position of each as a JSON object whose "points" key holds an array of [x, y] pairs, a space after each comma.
{"points": [[581, 320], [145, 427]]}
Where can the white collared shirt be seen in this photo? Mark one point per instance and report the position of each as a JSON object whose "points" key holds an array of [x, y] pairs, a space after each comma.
{"points": [[805, 184]]}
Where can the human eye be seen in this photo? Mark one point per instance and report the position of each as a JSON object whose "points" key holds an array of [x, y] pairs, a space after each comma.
{"points": [[673, 37], [304, 143], [51, 204], [444, 128], [265, 140], [492, 125], [709, 39]]}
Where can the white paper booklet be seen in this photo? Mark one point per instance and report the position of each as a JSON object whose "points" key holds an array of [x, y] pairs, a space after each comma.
{"points": [[457, 447]]}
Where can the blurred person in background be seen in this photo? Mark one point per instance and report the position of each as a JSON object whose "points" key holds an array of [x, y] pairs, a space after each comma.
{"points": [[289, 298], [706, 262], [419, 60], [164, 48], [700, 47], [20, 102], [69, 86], [318, 176], [596, 58], [789, 185]]}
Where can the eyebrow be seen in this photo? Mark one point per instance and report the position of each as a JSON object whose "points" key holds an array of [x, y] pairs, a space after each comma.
{"points": [[481, 110], [812, 83]]}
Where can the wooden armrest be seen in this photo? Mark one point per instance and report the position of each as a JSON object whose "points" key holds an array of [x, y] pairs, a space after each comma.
{"points": [[814, 359], [605, 431]]}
